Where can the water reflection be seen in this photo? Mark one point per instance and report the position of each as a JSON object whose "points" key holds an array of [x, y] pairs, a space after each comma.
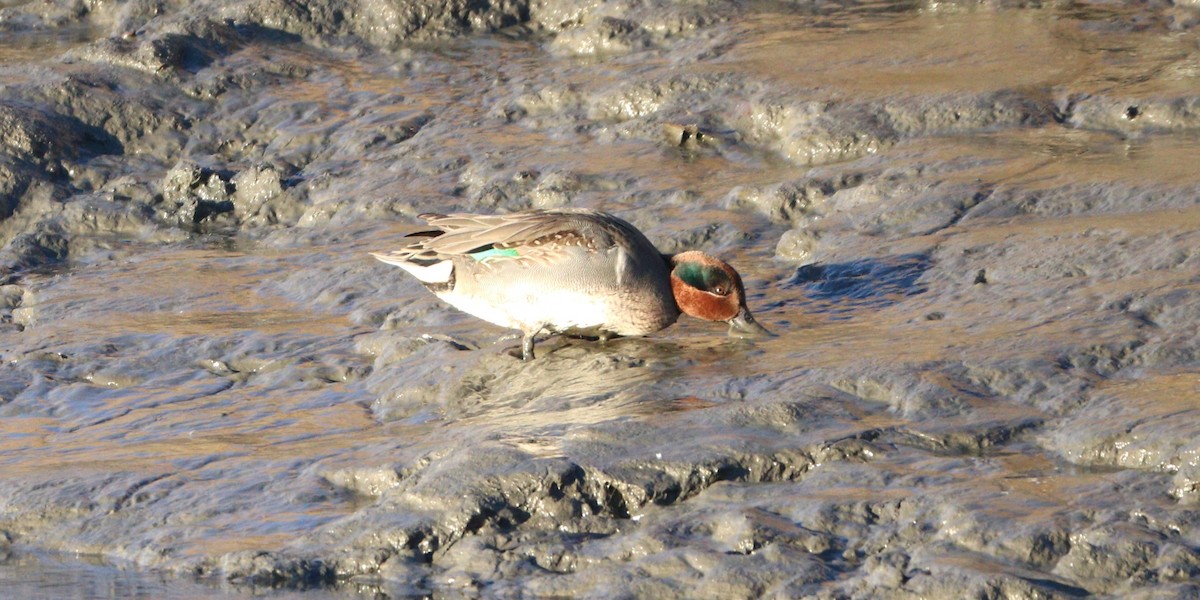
{"points": [[905, 51], [572, 381], [42, 576], [39, 45]]}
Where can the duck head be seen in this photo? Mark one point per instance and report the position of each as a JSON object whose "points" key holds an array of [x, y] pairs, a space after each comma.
{"points": [[708, 288]]}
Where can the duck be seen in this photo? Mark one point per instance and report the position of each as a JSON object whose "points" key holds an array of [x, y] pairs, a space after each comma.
{"points": [[569, 271]]}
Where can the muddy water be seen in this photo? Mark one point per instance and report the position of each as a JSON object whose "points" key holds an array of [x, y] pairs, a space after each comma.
{"points": [[974, 229]]}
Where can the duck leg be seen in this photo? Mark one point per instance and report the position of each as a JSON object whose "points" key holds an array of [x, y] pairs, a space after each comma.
{"points": [[527, 345]]}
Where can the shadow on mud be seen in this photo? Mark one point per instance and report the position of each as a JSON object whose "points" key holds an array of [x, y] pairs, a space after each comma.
{"points": [[866, 283]]}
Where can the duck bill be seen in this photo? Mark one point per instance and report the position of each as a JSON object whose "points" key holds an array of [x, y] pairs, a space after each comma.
{"points": [[743, 325]]}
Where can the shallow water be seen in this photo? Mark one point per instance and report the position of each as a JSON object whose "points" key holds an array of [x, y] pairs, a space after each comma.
{"points": [[985, 377], [40, 576]]}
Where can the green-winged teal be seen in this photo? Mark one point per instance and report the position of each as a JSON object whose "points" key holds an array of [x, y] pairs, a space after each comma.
{"points": [[572, 271]]}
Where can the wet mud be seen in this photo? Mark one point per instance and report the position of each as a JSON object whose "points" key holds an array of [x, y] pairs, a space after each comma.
{"points": [[975, 227]]}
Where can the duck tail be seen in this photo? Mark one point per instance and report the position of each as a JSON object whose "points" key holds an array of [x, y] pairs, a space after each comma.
{"points": [[435, 273]]}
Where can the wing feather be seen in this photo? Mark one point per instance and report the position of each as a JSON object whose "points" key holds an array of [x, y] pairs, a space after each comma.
{"points": [[464, 233], [536, 235]]}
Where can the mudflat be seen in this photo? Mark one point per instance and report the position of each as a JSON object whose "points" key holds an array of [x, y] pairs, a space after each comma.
{"points": [[975, 228]]}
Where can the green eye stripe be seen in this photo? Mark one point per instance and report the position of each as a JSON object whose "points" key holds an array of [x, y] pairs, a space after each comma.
{"points": [[703, 277]]}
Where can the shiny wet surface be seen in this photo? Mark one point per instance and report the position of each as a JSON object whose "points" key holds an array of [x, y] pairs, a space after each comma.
{"points": [[965, 381]]}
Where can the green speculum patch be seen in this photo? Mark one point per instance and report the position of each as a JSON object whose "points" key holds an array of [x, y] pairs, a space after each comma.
{"points": [[494, 253]]}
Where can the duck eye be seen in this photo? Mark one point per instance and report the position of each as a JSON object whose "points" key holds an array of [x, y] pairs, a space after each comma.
{"points": [[704, 277]]}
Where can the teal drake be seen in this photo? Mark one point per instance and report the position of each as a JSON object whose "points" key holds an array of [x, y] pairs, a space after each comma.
{"points": [[568, 271]]}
